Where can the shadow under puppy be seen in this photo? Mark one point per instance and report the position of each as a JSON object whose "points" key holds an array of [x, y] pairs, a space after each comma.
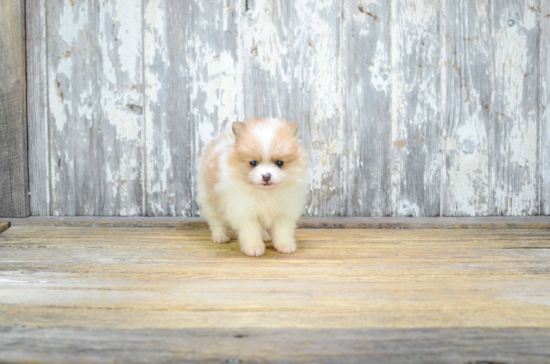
{"points": [[253, 179]]}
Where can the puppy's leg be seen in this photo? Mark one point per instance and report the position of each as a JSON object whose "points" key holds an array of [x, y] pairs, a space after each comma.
{"points": [[266, 236], [250, 238], [219, 231], [283, 235], [216, 225]]}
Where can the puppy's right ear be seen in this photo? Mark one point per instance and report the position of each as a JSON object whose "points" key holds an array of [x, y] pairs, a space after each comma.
{"points": [[238, 129]]}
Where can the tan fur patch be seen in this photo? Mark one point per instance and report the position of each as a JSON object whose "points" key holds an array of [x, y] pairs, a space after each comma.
{"points": [[247, 149], [210, 165], [285, 145]]}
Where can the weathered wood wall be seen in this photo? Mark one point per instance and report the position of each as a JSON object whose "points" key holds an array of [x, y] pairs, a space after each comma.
{"points": [[408, 107], [14, 177]]}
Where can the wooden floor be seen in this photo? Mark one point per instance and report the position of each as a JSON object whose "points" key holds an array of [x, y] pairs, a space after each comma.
{"points": [[153, 295]]}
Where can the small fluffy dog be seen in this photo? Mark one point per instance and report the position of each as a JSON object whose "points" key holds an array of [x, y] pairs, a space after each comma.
{"points": [[253, 179]]}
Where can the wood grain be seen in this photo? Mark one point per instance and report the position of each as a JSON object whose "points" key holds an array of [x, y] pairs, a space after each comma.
{"points": [[167, 128], [73, 101], [431, 345], [94, 70], [37, 108], [342, 292], [407, 108], [14, 176], [338, 279], [544, 111], [118, 87], [515, 42], [366, 159], [416, 107], [467, 121]]}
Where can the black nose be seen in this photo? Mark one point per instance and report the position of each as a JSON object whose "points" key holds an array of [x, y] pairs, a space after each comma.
{"points": [[266, 176]]}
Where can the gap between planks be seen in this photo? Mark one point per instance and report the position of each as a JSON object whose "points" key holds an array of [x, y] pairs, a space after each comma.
{"points": [[531, 222]]}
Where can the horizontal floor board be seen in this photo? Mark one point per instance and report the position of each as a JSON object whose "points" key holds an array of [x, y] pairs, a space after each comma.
{"points": [[435, 293], [427, 345]]}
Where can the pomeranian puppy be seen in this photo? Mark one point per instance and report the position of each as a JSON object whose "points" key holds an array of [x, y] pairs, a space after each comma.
{"points": [[253, 180]]}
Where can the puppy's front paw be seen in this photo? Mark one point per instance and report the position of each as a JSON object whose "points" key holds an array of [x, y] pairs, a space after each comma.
{"points": [[220, 239], [286, 248], [254, 251]]}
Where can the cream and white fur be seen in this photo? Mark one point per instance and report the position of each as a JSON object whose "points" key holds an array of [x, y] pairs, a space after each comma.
{"points": [[232, 193]]}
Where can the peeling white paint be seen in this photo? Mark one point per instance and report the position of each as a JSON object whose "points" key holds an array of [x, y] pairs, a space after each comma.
{"points": [[516, 184], [206, 132], [379, 75], [298, 65], [72, 21]]}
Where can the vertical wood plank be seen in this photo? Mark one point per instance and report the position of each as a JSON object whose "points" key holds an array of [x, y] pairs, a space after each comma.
{"points": [[191, 92], [94, 82], [467, 120], [367, 133], [267, 53], [119, 111], [71, 36], [37, 108], [293, 69], [515, 42], [168, 142], [416, 107], [14, 186], [544, 109]]}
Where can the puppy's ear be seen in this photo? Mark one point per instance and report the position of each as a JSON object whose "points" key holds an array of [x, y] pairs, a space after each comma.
{"points": [[294, 127], [238, 129]]}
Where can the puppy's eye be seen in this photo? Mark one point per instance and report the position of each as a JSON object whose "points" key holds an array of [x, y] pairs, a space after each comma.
{"points": [[279, 163], [253, 163]]}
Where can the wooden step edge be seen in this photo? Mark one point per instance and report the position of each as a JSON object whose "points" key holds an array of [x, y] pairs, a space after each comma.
{"points": [[533, 222]]}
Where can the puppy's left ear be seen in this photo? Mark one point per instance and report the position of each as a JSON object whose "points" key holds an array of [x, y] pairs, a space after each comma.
{"points": [[237, 128], [294, 127]]}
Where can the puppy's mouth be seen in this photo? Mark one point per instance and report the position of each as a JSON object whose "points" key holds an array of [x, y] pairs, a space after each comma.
{"points": [[267, 184]]}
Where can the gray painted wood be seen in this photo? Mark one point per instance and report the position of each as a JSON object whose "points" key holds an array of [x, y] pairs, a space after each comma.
{"points": [[192, 81], [416, 107], [367, 126], [287, 46], [515, 163], [544, 111], [14, 187], [408, 108], [379, 345], [168, 141], [468, 108], [71, 39], [94, 83], [118, 86], [37, 108]]}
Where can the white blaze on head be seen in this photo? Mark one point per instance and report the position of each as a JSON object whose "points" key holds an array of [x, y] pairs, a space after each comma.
{"points": [[265, 134]]}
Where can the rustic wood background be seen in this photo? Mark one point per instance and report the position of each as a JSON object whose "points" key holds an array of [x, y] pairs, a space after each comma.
{"points": [[408, 107], [14, 182]]}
